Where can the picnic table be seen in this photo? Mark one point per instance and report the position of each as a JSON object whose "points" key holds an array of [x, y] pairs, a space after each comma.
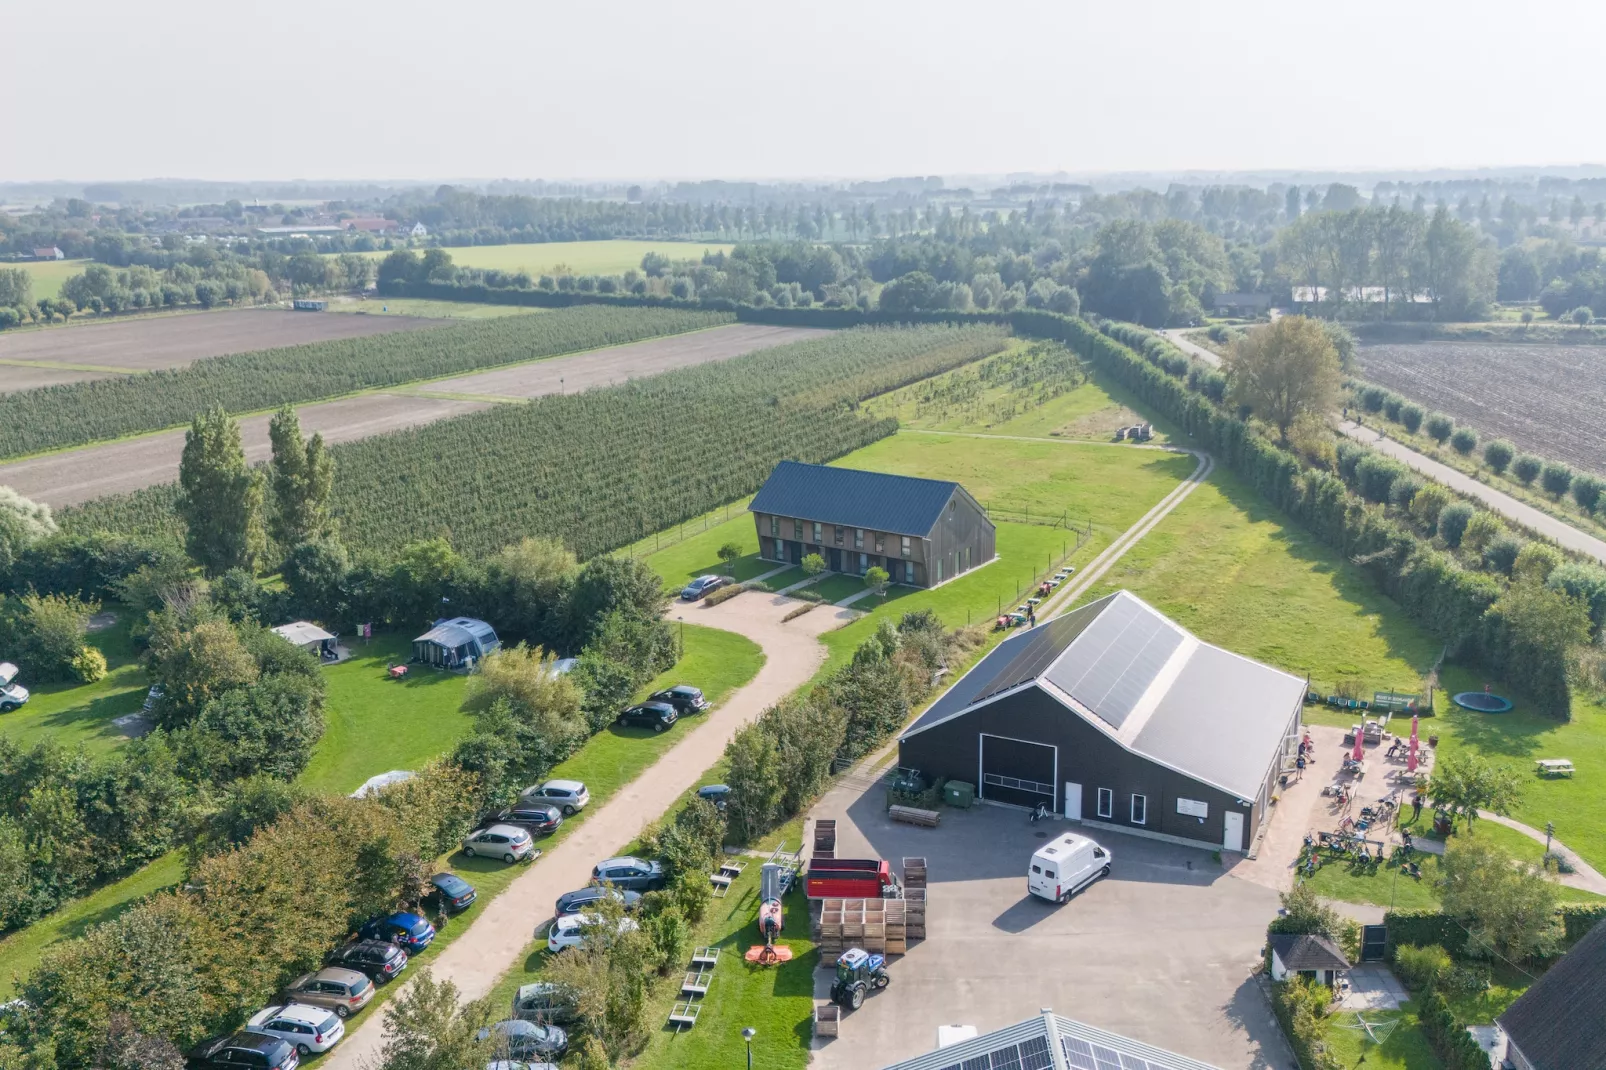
{"points": [[1554, 767], [397, 671]]}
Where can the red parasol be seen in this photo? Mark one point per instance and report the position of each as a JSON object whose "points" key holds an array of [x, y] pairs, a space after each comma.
{"points": [[1410, 756], [1359, 753]]}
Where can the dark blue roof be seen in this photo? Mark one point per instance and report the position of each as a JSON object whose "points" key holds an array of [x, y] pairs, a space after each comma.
{"points": [[903, 505]]}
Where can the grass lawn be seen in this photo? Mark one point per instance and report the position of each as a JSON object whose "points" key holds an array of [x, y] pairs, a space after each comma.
{"points": [[419, 306], [1404, 1048], [72, 714], [835, 586], [48, 275], [613, 257], [689, 550], [21, 951], [785, 579]]}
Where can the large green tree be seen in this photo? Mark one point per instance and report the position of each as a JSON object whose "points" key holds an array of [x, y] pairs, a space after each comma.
{"points": [[22, 523], [220, 497], [1465, 784], [1283, 371], [303, 478], [1507, 907]]}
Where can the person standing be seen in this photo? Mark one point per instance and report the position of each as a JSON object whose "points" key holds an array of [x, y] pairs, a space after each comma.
{"points": [[1416, 805]]}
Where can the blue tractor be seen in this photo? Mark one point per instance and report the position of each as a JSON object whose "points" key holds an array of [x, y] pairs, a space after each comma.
{"points": [[857, 973]]}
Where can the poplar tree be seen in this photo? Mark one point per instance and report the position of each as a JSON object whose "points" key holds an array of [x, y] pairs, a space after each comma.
{"points": [[220, 498], [303, 478]]}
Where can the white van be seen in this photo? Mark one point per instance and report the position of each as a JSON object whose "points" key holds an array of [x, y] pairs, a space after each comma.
{"points": [[1063, 867]]}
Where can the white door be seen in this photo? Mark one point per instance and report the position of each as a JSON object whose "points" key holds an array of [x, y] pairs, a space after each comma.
{"points": [[1073, 801], [1233, 839]]}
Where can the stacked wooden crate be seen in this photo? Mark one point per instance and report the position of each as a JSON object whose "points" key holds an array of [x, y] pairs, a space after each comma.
{"points": [[825, 838], [896, 926], [914, 897], [877, 925]]}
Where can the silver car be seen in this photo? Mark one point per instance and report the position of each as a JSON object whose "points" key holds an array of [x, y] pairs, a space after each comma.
{"points": [[343, 991], [12, 695], [311, 1029], [569, 796], [507, 842]]}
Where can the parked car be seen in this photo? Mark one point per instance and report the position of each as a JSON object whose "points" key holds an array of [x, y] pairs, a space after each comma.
{"points": [[507, 842], [570, 796], [630, 874], [569, 931], [12, 695], [654, 715], [451, 893], [153, 698], [575, 902], [411, 931], [247, 1048], [311, 1029], [715, 793], [543, 1001], [536, 817], [341, 990], [521, 1040], [684, 697], [380, 960], [699, 587]]}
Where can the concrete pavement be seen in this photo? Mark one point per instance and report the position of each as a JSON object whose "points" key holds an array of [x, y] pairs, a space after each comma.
{"points": [[1193, 349], [494, 942]]}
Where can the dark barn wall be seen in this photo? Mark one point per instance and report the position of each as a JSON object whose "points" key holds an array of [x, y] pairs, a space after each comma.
{"points": [[1086, 756], [963, 525]]}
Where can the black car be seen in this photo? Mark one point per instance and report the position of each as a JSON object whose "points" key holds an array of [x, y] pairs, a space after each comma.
{"points": [[654, 715], [537, 817], [684, 697], [247, 1048], [575, 902], [379, 960], [714, 793], [451, 893]]}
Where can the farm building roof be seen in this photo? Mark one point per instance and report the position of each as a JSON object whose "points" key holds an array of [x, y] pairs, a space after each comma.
{"points": [[880, 501], [1034, 1043], [301, 633], [1561, 1020], [1128, 670], [457, 631], [1299, 952]]}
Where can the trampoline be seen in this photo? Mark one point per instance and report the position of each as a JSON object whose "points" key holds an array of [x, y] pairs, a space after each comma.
{"points": [[1483, 702]]}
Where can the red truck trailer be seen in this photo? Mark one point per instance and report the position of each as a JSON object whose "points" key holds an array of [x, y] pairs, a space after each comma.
{"points": [[850, 878]]}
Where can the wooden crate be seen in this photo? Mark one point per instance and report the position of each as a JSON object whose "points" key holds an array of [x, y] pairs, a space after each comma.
{"points": [[913, 815], [827, 1020]]}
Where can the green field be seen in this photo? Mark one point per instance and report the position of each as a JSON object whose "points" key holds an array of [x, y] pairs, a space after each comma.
{"points": [[575, 257], [72, 714], [419, 306], [48, 275]]}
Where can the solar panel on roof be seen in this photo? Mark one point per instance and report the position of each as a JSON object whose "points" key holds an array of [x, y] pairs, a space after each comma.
{"points": [[1034, 1054], [1132, 1062], [1107, 1058], [1116, 659], [1037, 653], [1007, 1058]]}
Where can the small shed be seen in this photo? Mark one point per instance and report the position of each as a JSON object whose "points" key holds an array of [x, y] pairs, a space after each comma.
{"points": [[451, 643], [1314, 957], [309, 637]]}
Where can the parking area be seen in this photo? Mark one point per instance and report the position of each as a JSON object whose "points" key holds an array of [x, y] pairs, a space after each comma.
{"points": [[1163, 950]]}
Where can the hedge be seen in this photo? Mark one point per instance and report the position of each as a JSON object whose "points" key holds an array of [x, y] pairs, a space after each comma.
{"points": [[1423, 928], [1579, 918]]}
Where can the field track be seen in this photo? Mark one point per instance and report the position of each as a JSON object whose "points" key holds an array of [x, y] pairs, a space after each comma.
{"points": [[74, 353], [1548, 399], [76, 476]]}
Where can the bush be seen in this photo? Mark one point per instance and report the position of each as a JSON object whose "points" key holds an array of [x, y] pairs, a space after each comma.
{"points": [[1527, 468], [1536, 562], [1586, 491], [723, 594], [1375, 475], [1483, 529], [1392, 404], [1427, 504], [1497, 455], [793, 614], [1372, 398], [1556, 478], [1587, 583], [1453, 521], [1411, 416], [1464, 441], [1438, 427], [89, 665], [1501, 554], [1404, 492], [1421, 967]]}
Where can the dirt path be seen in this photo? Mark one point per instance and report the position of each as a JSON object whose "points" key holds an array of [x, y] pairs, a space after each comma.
{"points": [[497, 939], [1504, 504], [75, 476], [1193, 349]]}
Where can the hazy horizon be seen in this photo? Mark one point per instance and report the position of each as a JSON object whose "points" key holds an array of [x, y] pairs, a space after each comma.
{"points": [[358, 89]]}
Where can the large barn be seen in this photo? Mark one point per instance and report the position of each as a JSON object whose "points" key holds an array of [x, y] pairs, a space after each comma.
{"points": [[922, 531], [1112, 714]]}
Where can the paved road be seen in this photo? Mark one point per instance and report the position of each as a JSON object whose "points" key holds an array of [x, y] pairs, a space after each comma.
{"points": [[1560, 531], [1175, 337], [496, 940]]}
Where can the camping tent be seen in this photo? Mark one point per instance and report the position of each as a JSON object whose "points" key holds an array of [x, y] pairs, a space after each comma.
{"points": [[307, 636], [450, 643]]}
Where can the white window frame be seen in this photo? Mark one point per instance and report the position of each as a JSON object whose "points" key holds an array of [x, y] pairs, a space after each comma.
{"points": [[858, 538], [1133, 813], [1106, 802], [775, 527], [818, 539], [903, 547]]}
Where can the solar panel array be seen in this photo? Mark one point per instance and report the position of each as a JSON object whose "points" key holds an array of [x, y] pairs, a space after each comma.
{"points": [[1116, 660], [1083, 1055], [1045, 644], [1029, 1054]]}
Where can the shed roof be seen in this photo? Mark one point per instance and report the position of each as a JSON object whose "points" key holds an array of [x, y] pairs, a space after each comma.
{"points": [[302, 632], [457, 631], [880, 501], [1560, 1022], [1046, 1041], [1132, 673], [1301, 952]]}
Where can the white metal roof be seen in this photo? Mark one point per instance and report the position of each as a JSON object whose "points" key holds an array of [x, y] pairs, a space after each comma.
{"points": [[302, 632], [1050, 1042]]}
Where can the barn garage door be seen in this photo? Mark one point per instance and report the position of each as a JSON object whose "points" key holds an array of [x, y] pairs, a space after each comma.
{"points": [[1017, 771]]}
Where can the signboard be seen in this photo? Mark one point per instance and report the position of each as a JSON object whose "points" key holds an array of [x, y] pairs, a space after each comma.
{"points": [[1193, 808]]}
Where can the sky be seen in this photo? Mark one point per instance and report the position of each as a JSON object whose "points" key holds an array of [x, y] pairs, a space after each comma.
{"points": [[523, 89]]}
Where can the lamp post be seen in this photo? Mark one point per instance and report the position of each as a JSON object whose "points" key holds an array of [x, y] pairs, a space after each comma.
{"points": [[682, 641], [748, 1034]]}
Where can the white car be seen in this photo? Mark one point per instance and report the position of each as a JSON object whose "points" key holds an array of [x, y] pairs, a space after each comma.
{"points": [[569, 931], [507, 842], [11, 695], [310, 1029], [569, 796]]}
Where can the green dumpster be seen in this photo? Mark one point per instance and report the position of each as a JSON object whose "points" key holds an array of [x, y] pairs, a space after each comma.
{"points": [[958, 793]]}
